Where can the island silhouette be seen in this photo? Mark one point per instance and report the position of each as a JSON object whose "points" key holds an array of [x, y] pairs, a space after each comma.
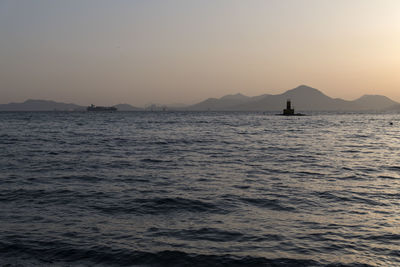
{"points": [[305, 97]]}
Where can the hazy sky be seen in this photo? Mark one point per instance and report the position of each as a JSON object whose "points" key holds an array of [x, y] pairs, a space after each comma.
{"points": [[174, 51]]}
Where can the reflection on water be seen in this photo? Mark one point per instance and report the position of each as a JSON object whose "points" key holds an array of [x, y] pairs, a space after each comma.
{"points": [[199, 188]]}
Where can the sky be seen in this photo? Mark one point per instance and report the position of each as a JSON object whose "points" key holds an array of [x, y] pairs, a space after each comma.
{"points": [[179, 51]]}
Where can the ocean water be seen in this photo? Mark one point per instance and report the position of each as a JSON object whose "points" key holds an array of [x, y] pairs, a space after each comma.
{"points": [[199, 189]]}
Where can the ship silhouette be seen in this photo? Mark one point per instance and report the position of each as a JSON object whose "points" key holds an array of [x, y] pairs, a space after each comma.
{"points": [[100, 108]]}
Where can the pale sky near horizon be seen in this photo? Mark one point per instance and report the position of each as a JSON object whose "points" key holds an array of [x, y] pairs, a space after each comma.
{"points": [[180, 51]]}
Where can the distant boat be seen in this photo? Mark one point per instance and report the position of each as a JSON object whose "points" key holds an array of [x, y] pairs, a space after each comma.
{"points": [[99, 108], [289, 111]]}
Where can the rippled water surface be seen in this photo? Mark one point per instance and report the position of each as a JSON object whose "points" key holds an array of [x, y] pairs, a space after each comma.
{"points": [[175, 189]]}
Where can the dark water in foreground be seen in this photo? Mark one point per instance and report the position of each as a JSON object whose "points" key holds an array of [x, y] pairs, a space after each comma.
{"points": [[199, 189]]}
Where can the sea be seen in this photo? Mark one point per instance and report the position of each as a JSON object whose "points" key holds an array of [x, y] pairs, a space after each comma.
{"points": [[199, 189]]}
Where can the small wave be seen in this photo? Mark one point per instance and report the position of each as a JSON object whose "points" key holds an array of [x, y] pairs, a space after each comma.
{"points": [[393, 168], [81, 178], [149, 160], [41, 196], [272, 204], [182, 141], [358, 199], [390, 237], [61, 254], [387, 177], [212, 234], [209, 234], [160, 206]]}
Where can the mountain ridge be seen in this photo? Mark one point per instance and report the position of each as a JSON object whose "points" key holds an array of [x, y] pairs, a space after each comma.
{"points": [[39, 105], [303, 97], [50, 105]]}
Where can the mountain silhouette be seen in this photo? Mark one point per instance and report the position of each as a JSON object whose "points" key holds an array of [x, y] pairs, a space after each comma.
{"points": [[303, 98], [228, 102], [48, 105], [375, 102], [126, 107], [40, 105]]}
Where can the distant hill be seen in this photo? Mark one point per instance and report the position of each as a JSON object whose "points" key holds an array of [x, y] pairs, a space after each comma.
{"points": [[375, 102], [176, 106], [395, 107], [126, 107], [228, 102], [48, 105], [40, 105], [303, 98]]}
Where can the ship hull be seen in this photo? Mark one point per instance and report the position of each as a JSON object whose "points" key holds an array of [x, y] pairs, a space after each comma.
{"points": [[101, 109]]}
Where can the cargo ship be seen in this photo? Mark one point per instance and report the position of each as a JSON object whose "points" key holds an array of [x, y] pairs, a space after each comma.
{"points": [[99, 108]]}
